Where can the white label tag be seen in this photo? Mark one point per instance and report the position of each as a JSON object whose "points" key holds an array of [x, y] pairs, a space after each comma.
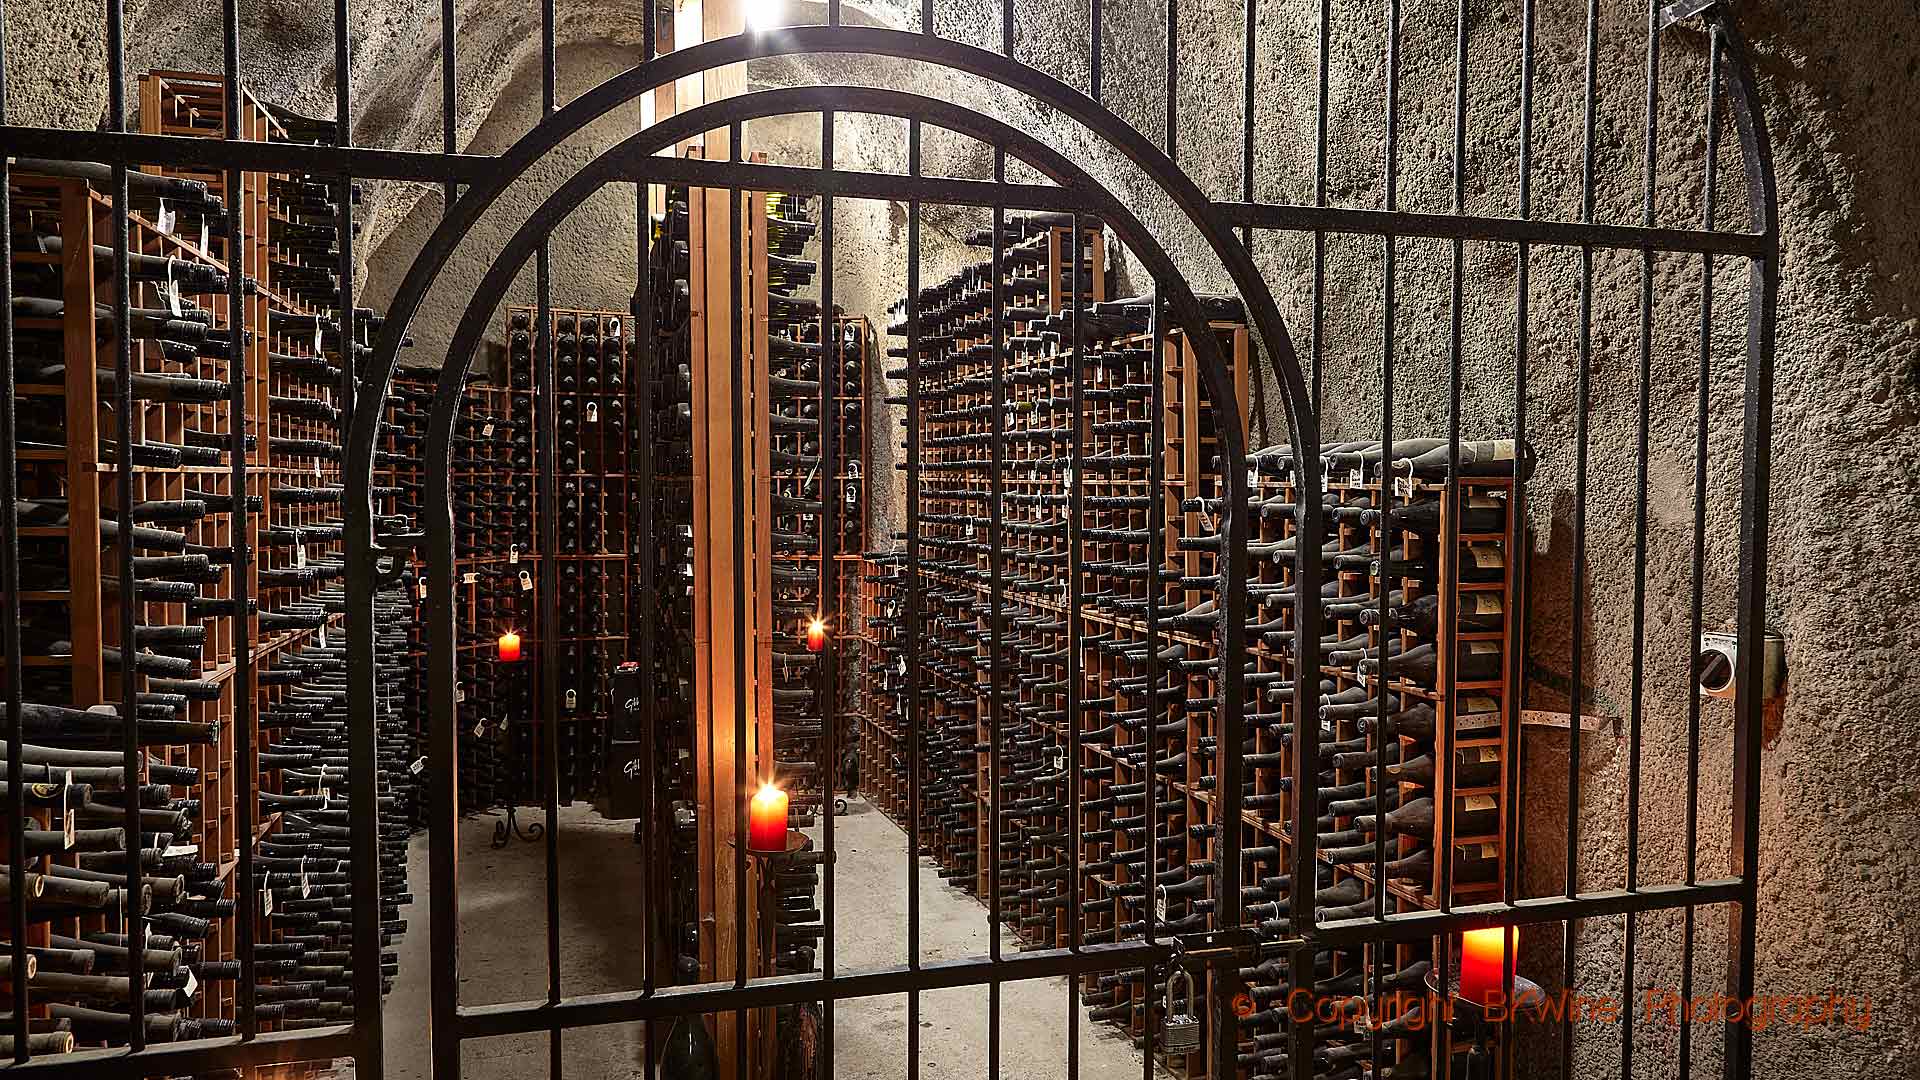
{"points": [[1480, 802], [419, 766], [66, 813], [423, 586], [593, 412], [178, 851], [165, 219], [300, 556], [486, 431], [480, 729], [513, 555], [316, 336], [1160, 903], [469, 577], [459, 694], [192, 987], [266, 901], [323, 644], [526, 581], [173, 290], [1356, 476], [203, 234], [306, 885]]}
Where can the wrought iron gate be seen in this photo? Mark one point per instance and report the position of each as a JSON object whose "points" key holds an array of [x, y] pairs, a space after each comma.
{"points": [[475, 184]]}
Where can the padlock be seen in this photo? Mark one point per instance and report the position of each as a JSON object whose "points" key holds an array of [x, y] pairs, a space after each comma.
{"points": [[1181, 1032]]}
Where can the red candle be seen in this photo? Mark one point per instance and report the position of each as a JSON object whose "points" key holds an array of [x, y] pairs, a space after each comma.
{"points": [[1484, 962], [816, 635], [509, 646], [767, 821]]}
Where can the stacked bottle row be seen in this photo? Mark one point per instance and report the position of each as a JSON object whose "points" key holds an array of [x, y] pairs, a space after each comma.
{"points": [[592, 352], [988, 742], [662, 615], [493, 590], [193, 556], [884, 753]]}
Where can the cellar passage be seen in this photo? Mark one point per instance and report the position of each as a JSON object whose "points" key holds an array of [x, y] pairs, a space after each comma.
{"points": [[841, 549]]}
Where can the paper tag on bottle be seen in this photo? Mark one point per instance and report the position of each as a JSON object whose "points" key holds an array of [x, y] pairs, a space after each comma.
{"points": [[164, 220], [325, 792], [1483, 648], [526, 581], [173, 290], [1487, 753], [513, 554], [316, 469], [1487, 603], [300, 556], [486, 430], [1356, 476], [66, 813], [419, 766], [480, 728], [1487, 557], [423, 586], [192, 987], [593, 412], [180, 851], [203, 234], [323, 639], [316, 335], [459, 694], [1480, 802], [266, 901], [469, 577], [1160, 903], [306, 884]]}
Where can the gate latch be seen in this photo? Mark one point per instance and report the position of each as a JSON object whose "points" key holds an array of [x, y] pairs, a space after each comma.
{"points": [[1244, 944]]}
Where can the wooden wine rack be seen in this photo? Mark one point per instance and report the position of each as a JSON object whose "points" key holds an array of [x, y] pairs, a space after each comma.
{"points": [[1120, 772], [69, 450]]}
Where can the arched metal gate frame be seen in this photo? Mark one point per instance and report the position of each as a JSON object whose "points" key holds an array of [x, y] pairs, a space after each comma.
{"points": [[632, 162]]}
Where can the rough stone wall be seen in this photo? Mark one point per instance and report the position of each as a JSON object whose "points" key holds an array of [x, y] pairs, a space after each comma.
{"points": [[1839, 823]]}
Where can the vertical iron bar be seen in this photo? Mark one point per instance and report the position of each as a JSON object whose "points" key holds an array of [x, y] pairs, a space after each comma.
{"points": [[1696, 602], [1246, 116], [243, 753], [548, 422], [1318, 294], [449, 95], [1093, 50], [1173, 80], [640, 415], [10, 597], [910, 635], [1156, 557], [1583, 405], [1513, 682], [1076, 506], [741, 642], [829, 695], [1449, 635], [995, 544], [1642, 448], [1763, 286], [132, 757], [1390, 253]]}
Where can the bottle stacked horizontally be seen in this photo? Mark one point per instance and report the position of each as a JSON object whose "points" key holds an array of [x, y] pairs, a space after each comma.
{"points": [[214, 572]]}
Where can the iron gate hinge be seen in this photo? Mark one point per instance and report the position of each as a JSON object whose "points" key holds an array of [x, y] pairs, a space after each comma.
{"points": [[1243, 944]]}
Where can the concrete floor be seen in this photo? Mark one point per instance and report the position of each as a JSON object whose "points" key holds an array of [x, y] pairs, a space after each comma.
{"points": [[502, 958]]}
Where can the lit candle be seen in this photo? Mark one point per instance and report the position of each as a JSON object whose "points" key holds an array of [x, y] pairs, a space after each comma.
{"points": [[767, 821], [509, 646], [816, 635], [1483, 963]]}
